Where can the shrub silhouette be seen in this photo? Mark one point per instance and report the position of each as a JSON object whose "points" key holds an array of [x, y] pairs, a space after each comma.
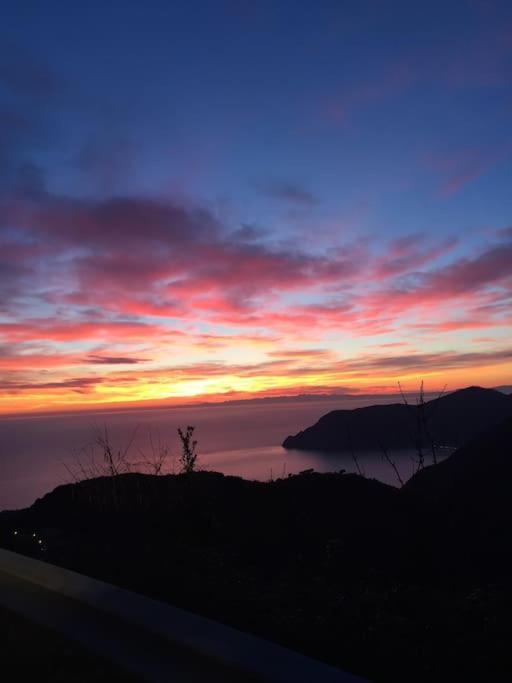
{"points": [[188, 456]]}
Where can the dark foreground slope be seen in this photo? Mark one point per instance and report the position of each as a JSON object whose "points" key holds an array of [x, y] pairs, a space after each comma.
{"points": [[396, 585], [467, 477], [451, 420], [468, 496], [52, 657]]}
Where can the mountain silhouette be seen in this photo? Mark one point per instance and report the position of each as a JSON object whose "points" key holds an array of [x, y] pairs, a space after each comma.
{"points": [[450, 420]]}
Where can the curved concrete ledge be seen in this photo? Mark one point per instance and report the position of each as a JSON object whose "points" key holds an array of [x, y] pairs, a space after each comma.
{"points": [[245, 652]]}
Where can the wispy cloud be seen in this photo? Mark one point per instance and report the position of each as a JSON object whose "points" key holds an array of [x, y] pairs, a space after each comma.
{"points": [[114, 360], [288, 192], [462, 167]]}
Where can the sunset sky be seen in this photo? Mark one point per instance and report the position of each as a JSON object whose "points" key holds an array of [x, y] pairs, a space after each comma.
{"points": [[220, 199]]}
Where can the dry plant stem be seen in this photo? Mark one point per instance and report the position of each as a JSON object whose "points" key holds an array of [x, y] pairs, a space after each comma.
{"points": [[392, 463], [426, 426], [360, 471]]}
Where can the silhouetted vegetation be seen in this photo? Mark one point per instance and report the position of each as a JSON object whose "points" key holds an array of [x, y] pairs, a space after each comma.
{"points": [[188, 455], [113, 461]]}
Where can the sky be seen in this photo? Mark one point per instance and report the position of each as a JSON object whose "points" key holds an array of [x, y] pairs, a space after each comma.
{"points": [[214, 199]]}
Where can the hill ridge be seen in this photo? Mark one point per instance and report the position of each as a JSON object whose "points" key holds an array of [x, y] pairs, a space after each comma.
{"points": [[450, 420]]}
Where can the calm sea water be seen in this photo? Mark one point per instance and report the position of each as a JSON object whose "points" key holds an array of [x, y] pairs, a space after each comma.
{"points": [[238, 439]]}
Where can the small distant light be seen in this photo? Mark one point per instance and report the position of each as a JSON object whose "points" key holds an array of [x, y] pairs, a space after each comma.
{"points": [[33, 535], [39, 541], [15, 533]]}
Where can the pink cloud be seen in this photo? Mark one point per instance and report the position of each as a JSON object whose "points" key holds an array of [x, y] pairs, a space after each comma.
{"points": [[409, 253], [458, 169], [458, 280], [121, 275], [32, 330]]}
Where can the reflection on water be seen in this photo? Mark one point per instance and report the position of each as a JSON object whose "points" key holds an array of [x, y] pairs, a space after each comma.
{"points": [[273, 462], [235, 439]]}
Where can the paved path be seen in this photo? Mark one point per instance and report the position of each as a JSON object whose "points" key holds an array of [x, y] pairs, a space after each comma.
{"points": [[130, 647], [146, 637]]}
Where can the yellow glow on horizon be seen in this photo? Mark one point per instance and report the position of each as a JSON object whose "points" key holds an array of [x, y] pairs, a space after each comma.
{"points": [[158, 388]]}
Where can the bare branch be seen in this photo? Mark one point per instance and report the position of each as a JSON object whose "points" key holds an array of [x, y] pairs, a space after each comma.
{"points": [[390, 462]]}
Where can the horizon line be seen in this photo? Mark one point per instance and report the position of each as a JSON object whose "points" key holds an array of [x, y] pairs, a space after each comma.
{"points": [[161, 405]]}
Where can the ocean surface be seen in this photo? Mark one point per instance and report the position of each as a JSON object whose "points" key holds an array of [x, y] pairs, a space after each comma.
{"points": [[38, 453]]}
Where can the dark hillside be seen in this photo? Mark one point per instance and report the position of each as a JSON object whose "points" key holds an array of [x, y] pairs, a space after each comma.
{"points": [[483, 466], [464, 507], [452, 420]]}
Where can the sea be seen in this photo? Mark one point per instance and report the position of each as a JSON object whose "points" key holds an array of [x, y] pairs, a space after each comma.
{"points": [[40, 452]]}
